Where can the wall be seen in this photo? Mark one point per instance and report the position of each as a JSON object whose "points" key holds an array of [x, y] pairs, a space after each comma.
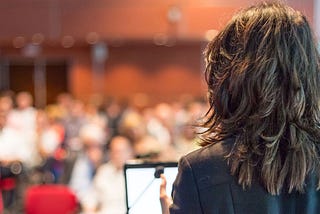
{"points": [[158, 72], [140, 69]]}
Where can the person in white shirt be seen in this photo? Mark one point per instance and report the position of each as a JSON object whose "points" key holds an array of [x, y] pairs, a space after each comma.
{"points": [[87, 162], [109, 182], [22, 121]]}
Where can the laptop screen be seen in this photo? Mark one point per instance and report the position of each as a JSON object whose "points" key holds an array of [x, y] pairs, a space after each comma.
{"points": [[143, 186]]}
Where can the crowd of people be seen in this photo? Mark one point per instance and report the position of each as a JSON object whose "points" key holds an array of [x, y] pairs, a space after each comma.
{"points": [[85, 144]]}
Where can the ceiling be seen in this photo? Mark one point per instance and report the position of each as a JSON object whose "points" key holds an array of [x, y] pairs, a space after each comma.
{"points": [[72, 22]]}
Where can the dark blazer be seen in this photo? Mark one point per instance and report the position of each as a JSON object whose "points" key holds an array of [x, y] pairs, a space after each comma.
{"points": [[204, 185]]}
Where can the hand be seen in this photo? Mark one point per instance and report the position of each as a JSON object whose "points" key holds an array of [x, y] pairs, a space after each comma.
{"points": [[165, 200]]}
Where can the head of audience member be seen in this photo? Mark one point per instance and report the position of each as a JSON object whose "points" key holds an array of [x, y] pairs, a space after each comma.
{"points": [[263, 78], [42, 120], [120, 151], [132, 125], [64, 101], [54, 113], [78, 109], [6, 102], [112, 108], [164, 113], [24, 100], [93, 139], [3, 120]]}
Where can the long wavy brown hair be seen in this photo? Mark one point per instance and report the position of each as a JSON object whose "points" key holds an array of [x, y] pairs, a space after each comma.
{"points": [[264, 91]]}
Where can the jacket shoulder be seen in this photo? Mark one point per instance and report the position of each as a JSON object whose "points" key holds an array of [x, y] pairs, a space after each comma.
{"points": [[209, 164]]}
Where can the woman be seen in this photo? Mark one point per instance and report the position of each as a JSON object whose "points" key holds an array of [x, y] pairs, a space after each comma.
{"points": [[261, 145]]}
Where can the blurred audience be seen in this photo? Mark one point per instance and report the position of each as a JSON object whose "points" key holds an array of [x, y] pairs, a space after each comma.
{"points": [[108, 195], [22, 119], [92, 138], [85, 144], [73, 123], [50, 138]]}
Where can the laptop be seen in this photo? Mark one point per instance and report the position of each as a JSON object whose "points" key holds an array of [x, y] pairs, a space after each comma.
{"points": [[142, 180]]}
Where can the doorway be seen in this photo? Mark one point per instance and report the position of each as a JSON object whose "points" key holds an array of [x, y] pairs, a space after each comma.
{"points": [[44, 79]]}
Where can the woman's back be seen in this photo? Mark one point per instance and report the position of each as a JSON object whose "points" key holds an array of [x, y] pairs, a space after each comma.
{"points": [[205, 185]]}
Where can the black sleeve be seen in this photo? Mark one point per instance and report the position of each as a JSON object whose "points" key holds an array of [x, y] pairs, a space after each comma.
{"points": [[185, 192]]}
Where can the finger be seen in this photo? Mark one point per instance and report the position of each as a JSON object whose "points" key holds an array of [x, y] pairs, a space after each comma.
{"points": [[164, 199], [163, 185]]}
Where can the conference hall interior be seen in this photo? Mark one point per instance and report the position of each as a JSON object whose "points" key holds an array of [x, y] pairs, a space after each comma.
{"points": [[88, 85]]}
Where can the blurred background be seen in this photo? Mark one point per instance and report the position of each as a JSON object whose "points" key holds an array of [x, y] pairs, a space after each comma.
{"points": [[87, 85], [116, 48]]}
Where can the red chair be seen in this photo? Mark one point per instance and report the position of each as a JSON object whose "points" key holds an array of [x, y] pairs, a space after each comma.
{"points": [[50, 199], [6, 184], [1, 202]]}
